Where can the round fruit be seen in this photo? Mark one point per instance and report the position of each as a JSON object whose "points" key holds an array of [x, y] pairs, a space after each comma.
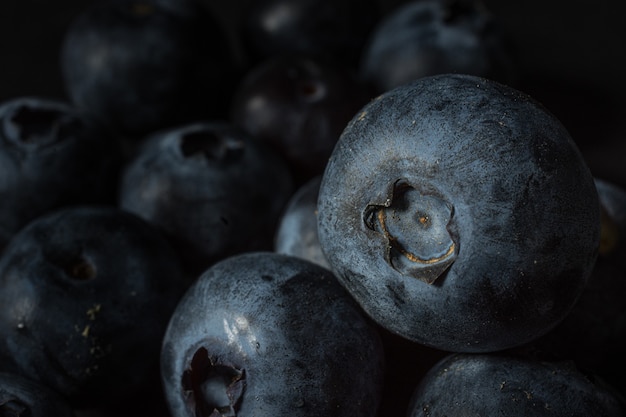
{"points": [[262, 334], [428, 37], [144, 65], [51, 155], [465, 385], [85, 297], [296, 234], [459, 214], [210, 188]]}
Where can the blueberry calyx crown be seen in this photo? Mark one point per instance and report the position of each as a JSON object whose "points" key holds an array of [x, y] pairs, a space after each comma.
{"points": [[36, 125], [416, 226], [215, 388]]}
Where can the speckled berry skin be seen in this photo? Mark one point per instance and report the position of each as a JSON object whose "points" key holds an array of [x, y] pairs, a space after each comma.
{"points": [[264, 334], [464, 385], [85, 295], [459, 214]]}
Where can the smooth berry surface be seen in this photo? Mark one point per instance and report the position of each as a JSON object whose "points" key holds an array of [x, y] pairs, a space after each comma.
{"points": [[264, 334], [491, 385], [428, 37], [212, 189], [298, 105], [144, 65], [296, 233], [332, 29]]}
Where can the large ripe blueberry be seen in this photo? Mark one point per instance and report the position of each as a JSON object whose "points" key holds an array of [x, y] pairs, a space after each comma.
{"points": [[460, 214], [463, 385], [85, 296], [51, 155], [263, 334]]}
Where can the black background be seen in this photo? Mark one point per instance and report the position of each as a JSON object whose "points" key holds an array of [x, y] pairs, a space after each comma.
{"points": [[571, 52]]}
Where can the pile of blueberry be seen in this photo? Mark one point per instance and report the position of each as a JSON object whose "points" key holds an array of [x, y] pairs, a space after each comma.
{"points": [[329, 210]]}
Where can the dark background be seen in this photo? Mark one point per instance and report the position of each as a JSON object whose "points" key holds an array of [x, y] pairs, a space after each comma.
{"points": [[572, 54]]}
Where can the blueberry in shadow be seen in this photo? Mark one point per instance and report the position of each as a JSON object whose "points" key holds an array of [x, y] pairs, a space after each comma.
{"points": [[298, 105], [460, 214], [21, 396], [264, 334], [144, 65], [85, 295], [296, 233], [493, 385], [428, 37], [51, 156], [332, 29], [210, 188]]}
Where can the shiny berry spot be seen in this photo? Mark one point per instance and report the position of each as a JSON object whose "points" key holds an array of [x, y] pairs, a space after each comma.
{"points": [[210, 145]]}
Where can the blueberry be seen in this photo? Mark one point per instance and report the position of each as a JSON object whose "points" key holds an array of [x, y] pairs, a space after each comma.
{"points": [[332, 29], [51, 155], [210, 188], [264, 334], [423, 38], [459, 214], [493, 385], [145, 65], [23, 397], [299, 105], [296, 234], [85, 296], [593, 334]]}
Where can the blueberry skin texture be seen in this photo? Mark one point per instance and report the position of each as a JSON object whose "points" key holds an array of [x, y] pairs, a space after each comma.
{"points": [[211, 189], [51, 155], [296, 234], [459, 214], [593, 334], [490, 384], [287, 335], [20, 396], [85, 297], [424, 38], [145, 65]]}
